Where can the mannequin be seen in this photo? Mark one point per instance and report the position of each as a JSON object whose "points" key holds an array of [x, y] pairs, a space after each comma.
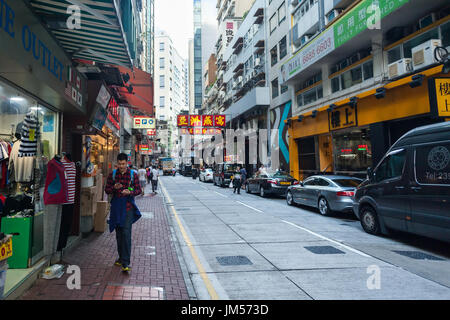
{"points": [[67, 208]]}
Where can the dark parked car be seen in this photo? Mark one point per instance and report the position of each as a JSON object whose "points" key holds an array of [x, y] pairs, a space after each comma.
{"points": [[223, 173], [327, 193], [409, 190], [270, 182], [186, 170]]}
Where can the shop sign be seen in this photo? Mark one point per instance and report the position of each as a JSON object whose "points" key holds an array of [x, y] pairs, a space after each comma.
{"points": [[364, 16], [440, 96], [103, 97], [127, 120], [144, 123], [200, 131], [151, 132], [100, 117], [113, 113], [343, 117], [209, 121]]}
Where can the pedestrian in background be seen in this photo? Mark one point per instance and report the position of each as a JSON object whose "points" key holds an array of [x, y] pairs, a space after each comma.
{"points": [[237, 181], [142, 179], [243, 176], [123, 185], [155, 175]]}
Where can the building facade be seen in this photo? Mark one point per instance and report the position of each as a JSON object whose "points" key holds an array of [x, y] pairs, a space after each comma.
{"points": [[170, 91], [361, 76], [198, 62]]}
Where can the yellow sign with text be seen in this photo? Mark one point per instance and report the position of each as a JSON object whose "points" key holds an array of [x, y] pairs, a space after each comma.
{"points": [[443, 97], [343, 117]]}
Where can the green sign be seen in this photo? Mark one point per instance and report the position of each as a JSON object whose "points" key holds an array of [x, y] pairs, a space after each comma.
{"points": [[364, 16]]}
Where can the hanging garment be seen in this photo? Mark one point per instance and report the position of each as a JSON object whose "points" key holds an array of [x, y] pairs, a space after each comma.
{"points": [[71, 172], [20, 168], [30, 135], [55, 191]]}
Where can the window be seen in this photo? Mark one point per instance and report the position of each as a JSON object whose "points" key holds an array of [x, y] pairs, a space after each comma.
{"points": [[391, 167], [161, 63], [445, 32], [161, 82], [335, 85], [273, 22], [162, 117], [394, 54], [407, 46], [162, 100], [432, 164], [352, 150], [368, 70], [161, 46], [310, 182], [283, 48], [322, 182], [281, 13], [273, 56], [275, 88], [310, 96], [283, 89], [352, 77]]}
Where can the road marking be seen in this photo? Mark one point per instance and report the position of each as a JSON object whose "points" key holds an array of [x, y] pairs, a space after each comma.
{"points": [[250, 206], [212, 292], [220, 194], [330, 240]]}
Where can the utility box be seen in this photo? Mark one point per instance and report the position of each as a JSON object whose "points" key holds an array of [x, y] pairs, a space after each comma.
{"points": [[21, 243]]}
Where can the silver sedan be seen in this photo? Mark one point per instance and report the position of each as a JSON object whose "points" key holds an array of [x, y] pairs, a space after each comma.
{"points": [[327, 193]]}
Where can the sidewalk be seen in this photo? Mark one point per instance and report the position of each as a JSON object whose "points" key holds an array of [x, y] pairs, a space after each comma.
{"points": [[156, 273]]}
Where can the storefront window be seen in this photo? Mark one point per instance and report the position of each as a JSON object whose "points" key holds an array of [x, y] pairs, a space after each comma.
{"points": [[352, 150], [445, 32]]}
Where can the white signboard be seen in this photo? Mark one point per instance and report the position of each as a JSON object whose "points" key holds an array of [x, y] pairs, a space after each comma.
{"points": [[103, 97], [143, 123]]}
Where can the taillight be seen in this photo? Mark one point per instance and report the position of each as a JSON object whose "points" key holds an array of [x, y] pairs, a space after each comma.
{"points": [[345, 193], [294, 183], [272, 181]]}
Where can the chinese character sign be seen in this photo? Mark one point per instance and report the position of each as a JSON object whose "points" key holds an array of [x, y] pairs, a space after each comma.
{"points": [[195, 121], [205, 121], [183, 121], [443, 96], [342, 118], [219, 121], [208, 121]]}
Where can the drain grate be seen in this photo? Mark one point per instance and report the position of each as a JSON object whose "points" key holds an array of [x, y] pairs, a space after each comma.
{"points": [[324, 250], [417, 255], [233, 261]]}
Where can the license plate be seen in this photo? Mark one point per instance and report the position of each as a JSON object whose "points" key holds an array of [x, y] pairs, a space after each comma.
{"points": [[285, 183], [6, 250]]}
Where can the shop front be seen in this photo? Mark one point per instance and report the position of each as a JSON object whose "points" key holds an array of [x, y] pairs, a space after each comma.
{"points": [[349, 136], [38, 88]]}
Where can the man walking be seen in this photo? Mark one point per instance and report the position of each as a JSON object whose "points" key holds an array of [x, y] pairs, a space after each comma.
{"points": [[155, 175], [237, 181], [142, 179], [243, 176], [123, 185]]}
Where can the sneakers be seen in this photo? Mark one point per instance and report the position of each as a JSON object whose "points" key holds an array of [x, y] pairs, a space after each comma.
{"points": [[126, 268], [118, 263]]}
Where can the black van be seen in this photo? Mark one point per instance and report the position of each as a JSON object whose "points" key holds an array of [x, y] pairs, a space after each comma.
{"points": [[409, 190]]}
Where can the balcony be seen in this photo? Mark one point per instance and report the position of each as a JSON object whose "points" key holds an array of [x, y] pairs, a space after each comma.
{"points": [[259, 15], [253, 98]]}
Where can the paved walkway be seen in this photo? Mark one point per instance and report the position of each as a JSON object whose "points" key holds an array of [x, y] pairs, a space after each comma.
{"points": [[156, 272]]}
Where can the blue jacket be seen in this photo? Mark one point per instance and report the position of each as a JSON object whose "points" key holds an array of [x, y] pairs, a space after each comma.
{"points": [[118, 212]]}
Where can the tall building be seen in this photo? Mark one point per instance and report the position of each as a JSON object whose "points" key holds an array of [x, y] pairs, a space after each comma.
{"points": [[191, 77], [360, 73], [170, 91], [148, 35], [198, 63], [209, 79]]}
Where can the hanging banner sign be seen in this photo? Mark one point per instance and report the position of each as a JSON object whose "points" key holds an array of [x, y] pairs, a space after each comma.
{"points": [[144, 123]]}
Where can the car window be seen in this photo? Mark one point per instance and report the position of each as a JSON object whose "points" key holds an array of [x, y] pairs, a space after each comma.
{"points": [[310, 182], [391, 167], [347, 183], [432, 164], [322, 182]]}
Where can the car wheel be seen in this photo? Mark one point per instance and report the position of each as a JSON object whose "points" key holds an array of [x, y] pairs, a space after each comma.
{"points": [[324, 208], [289, 198], [369, 220], [247, 188], [262, 192]]}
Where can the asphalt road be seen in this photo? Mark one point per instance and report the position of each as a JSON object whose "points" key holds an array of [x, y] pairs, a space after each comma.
{"points": [[248, 247]]}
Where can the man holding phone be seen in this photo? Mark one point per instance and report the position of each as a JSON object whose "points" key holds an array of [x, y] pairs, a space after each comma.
{"points": [[123, 185]]}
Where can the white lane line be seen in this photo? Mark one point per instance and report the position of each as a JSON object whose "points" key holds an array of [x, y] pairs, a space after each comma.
{"points": [[220, 194], [250, 206], [328, 239]]}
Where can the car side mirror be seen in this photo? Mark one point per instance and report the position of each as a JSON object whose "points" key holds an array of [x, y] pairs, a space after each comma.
{"points": [[369, 173], [301, 183]]}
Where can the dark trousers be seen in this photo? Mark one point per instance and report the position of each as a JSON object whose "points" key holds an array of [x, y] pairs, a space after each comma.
{"points": [[66, 224], [154, 185], [123, 237], [237, 185]]}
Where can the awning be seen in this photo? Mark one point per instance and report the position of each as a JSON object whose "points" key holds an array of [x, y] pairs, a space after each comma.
{"points": [[141, 98], [100, 38]]}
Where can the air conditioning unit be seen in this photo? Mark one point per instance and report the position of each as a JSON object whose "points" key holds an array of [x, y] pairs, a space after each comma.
{"points": [[330, 16], [427, 20], [305, 38], [257, 62], [423, 54], [400, 67]]}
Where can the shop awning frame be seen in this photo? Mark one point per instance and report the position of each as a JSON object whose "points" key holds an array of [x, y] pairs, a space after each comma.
{"points": [[101, 37]]}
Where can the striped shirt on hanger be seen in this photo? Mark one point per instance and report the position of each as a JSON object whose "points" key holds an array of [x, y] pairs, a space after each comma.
{"points": [[30, 135], [70, 171]]}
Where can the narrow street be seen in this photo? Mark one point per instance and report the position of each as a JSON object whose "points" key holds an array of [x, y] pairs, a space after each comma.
{"points": [[248, 247]]}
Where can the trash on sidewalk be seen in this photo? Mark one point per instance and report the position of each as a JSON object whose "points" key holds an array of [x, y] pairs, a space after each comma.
{"points": [[55, 271]]}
